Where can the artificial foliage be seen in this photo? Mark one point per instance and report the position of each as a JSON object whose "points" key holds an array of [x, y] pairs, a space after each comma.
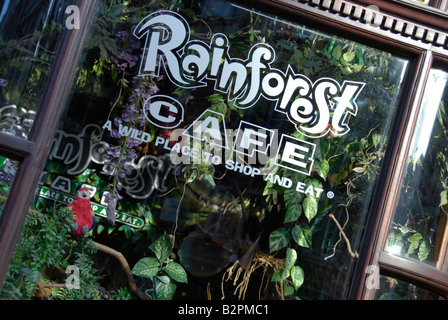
{"points": [[45, 250]]}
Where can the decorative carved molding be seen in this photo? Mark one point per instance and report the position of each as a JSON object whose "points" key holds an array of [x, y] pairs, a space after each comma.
{"points": [[371, 18]]}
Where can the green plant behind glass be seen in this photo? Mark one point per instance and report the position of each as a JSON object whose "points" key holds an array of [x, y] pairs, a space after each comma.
{"points": [[161, 270], [46, 246]]}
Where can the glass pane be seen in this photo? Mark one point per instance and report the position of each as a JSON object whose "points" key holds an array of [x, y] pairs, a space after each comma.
{"points": [[437, 4], [423, 2], [227, 144], [29, 37], [419, 229], [394, 289], [8, 170]]}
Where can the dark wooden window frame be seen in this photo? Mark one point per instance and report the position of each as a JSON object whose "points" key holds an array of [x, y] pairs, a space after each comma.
{"points": [[334, 16], [420, 274], [32, 153]]}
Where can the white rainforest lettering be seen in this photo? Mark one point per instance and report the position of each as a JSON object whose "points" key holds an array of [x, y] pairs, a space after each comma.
{"points": [[315, 108]]}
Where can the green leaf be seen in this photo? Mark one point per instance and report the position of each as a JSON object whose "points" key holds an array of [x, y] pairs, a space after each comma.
{"points": [[164, 279], [322, 149], [423, 251], [146, 267], [413, 246], [176, 272], [292, 196], [293, 213], [219, 107], [403, 229], [302, 235], [146, 212], [110, 45], [267, 190], [215, 98], [100, 228], [349, 56], [162, 247], [103, 51], [336, 53], [297, 276], [192, 176], [279, 275], [208, 179], [377, 138], [415, 238], [310, 207], [288, 290], [315, 183], [443, 198], [164, 291], [322, 168], [278, 239], [291, 258]]}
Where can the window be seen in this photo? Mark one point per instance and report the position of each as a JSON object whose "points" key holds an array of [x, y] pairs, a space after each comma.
{"points": [[28, 47], [217, 155], [20, 140], [419, 227], [218, 144], [438, 4], [393, 289]]}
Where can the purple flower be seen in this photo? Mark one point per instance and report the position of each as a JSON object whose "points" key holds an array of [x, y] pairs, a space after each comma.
{"points": [[110, 211], [122, 174], [114, 133], [143, 94], [3, 82], [113, 152], [126, 117], [131, 143], [153, 88], [123, 61], [8, 172], [118, 121], [120, 37], [119, 159]]}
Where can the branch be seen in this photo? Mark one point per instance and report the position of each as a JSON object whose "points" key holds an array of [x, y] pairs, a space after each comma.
{"points": [[127, 270], [349, 248], [52, 285]]}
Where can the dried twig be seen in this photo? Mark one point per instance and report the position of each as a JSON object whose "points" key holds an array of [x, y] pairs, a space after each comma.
{"points": [[347, 241]]}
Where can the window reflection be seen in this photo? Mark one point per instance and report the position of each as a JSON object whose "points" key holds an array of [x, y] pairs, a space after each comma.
{"points": [[29, 36], [424, 2], [419, 229], [394, 289]]}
